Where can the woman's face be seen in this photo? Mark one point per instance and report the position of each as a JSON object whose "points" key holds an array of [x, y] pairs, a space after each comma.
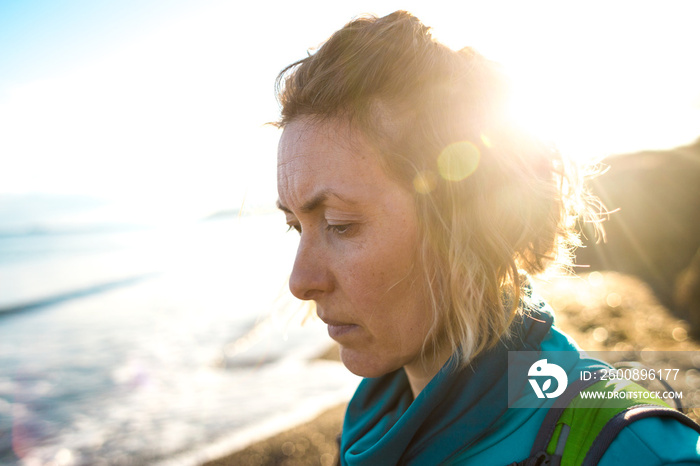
{"points": [[357, 256]]}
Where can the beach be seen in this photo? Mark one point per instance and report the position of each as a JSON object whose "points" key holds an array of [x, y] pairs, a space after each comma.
{"points": [[155, 346], [177, 346], [309, 443], [312, 443], [601, 311]]}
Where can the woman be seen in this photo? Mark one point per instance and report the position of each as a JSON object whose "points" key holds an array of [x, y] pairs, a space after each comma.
{"points": [[421, 211]]}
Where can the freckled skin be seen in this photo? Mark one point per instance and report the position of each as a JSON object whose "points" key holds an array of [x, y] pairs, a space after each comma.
{"points": [[358, 249]]}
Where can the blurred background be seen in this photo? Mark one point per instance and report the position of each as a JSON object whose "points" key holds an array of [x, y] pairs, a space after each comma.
{"points": [[142, 264]]}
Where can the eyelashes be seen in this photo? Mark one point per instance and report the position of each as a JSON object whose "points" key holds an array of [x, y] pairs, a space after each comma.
{"points": [[340, 230]]}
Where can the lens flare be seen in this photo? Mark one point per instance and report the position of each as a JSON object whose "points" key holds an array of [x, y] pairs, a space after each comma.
{"points": [[458, 160], [424, 182]]}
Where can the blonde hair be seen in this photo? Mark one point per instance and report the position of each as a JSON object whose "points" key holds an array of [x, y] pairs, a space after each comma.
{"points": [[492, 201]]}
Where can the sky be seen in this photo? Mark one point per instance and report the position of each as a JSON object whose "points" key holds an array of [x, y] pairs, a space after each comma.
{"points": [[158, 107]]}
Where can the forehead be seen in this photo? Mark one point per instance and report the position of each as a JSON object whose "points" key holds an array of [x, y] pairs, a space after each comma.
{"points": [[316, 140], [327, 155]]}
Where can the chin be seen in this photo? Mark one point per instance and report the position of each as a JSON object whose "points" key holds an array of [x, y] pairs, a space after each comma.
{"points": [[366, 365]]}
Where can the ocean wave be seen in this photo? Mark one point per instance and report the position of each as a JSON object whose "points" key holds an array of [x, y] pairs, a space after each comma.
{"points": [[74, 294]]}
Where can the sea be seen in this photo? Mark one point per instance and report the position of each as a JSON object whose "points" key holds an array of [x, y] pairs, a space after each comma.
{"points": [[168, 345]]}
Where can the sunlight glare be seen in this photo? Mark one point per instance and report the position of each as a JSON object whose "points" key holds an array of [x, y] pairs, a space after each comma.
{"points": [[595, 80], [458, 160]]}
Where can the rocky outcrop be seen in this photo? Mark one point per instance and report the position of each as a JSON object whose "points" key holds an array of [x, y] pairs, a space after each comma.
{"points": [[654, 229]]}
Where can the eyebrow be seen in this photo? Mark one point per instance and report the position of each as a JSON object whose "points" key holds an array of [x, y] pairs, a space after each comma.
{"points": [[314, 203]]}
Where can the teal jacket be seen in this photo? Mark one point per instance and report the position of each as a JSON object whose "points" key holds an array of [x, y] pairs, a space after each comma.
{"points": [[463, 417]]}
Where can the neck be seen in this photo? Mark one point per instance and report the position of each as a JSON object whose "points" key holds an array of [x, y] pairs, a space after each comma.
{"points": [[420, 373]]}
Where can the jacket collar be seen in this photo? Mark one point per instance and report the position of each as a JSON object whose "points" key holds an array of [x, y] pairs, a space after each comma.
{"points": [[383, 422]]}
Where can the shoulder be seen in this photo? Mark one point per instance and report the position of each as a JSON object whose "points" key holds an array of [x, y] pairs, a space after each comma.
{"points": [[654, 441]]}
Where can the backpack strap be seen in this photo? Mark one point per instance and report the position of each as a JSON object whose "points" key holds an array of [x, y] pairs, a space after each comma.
{"points": [[615, 425], [538, 453], [561, 424]]}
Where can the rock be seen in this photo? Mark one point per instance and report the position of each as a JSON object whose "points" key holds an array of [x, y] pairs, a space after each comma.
{"points": [[687, 292], [654, 230]]}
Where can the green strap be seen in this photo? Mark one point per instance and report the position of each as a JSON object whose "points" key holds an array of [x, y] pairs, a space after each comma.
{"points": [[585, 417]]}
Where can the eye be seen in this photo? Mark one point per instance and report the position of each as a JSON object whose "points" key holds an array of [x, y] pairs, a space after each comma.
{"points": [[340, 229], [291, 227]]}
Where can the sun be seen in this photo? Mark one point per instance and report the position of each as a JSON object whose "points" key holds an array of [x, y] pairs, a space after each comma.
{"points": [[593, 84]]}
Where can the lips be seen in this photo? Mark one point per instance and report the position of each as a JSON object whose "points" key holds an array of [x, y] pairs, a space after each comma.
{"points": [[337, 329], [337, 332]]}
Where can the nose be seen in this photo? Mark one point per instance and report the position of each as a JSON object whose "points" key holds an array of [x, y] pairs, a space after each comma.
{"points": [[310, 277]]}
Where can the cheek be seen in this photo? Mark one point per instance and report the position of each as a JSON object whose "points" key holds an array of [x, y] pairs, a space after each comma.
{"points": [[387, 280]]}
